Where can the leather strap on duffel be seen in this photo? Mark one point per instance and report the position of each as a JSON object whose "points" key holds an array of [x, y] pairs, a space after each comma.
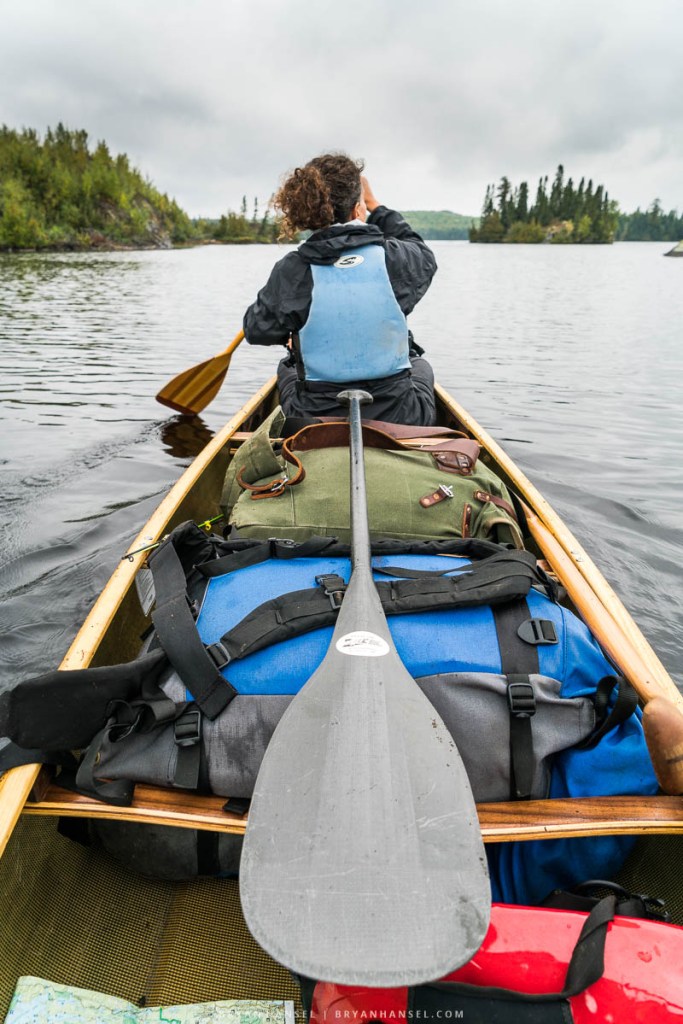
{"points": [[454, 454]]}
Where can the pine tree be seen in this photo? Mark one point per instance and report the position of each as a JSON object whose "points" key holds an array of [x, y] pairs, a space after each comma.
{"points": [[556, 193]]}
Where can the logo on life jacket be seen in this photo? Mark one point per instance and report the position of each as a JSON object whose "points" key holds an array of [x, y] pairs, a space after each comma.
{"points": [[349, 261], [362, 644]]}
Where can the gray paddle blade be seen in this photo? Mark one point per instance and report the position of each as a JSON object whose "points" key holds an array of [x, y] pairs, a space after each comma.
{"points": [[363, 861]]}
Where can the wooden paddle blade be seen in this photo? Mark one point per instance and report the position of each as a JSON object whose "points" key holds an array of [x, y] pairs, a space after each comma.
{"points": [[363, 861], [192, 390]]}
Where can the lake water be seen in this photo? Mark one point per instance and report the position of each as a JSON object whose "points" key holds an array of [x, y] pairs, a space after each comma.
{"points": [[571, 357]]}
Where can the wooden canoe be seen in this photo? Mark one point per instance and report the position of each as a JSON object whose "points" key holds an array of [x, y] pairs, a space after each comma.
{"points": [[191, 923]]}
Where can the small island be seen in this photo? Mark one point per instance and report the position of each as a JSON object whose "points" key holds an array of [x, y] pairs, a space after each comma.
{"points": [[561, 213]]}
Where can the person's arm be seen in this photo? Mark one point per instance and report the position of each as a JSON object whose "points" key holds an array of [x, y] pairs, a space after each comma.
{"points": [[281, 306], [410, 262]]}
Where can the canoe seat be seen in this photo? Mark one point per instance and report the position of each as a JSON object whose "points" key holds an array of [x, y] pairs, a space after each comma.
{"points": [[500, 822]]}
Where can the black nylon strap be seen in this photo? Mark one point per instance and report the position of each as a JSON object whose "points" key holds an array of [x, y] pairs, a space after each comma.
{"points": [[625, 704], [208, 859], [261, 551], [516, 656], [482, 1005], [501, 578], [13, 756], [519, 660], [628, 904], [237, 553], [187, 730], [175, 626]]}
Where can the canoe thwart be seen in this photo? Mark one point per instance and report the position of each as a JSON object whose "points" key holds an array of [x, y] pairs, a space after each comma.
{"points": [[500, 822]]}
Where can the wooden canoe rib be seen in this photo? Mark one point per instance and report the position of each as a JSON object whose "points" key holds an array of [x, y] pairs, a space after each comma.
{"points": [[195, 496]]}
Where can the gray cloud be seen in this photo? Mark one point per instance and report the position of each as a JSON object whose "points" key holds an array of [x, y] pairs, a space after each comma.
{"points": [[213, 99]]}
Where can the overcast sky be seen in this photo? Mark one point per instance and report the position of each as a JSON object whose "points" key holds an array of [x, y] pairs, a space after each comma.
{"points": [[213, 99]]}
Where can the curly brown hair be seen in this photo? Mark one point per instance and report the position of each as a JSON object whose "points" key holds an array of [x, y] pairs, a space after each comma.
{"points": [[322, 192]]}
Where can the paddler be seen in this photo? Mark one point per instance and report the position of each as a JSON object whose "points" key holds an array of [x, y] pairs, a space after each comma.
{"points": [[340, 300]]}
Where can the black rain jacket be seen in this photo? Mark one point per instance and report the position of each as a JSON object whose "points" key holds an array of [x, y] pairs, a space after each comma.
{"points": [[283, 305]]}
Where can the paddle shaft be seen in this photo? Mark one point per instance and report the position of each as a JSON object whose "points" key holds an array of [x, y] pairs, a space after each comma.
{"points": [[360, 529], [363, 861]]}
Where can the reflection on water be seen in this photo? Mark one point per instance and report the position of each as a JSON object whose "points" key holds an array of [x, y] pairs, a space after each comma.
{"points": [[184, 437], [569, 356]]}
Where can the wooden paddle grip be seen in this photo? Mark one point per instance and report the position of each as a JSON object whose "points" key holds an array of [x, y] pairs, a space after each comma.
{"points": [[663, 725]]}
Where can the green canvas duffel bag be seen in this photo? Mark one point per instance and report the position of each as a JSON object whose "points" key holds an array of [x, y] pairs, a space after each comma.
{"points": [[299, 488]]}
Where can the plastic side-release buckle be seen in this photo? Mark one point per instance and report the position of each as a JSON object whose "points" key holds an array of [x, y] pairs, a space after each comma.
{"points": [[521, 700], [538, 632], [333, 587], [187, 730]]}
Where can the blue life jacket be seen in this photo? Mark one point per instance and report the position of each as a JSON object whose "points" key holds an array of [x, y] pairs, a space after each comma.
{"points": [[355, 328], [437, 644]]}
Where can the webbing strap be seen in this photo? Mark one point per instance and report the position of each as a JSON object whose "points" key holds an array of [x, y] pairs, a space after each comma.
{"points": [[625, 704], [519, 660], [261, 551], [13, 756], [177, 632], [504, 577], [187, 733], [482, 1005], [239, 553]]}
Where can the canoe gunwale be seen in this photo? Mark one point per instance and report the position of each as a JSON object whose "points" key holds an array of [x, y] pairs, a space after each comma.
{"points": [[17, 784], [636, 658]]}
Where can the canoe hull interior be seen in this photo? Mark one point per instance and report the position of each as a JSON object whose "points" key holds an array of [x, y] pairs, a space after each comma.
{"points": [[72, 914]]}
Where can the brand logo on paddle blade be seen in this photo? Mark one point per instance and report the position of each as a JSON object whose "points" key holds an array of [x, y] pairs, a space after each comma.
{"points": [[349, 261], [362, 644]]}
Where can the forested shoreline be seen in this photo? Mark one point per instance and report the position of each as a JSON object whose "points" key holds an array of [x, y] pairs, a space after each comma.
{"points": [[651, 225], [58, 192]]}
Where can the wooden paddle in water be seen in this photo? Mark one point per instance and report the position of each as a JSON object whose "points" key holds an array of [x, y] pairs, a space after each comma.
{"points": [[193, 389], [363, 861]]}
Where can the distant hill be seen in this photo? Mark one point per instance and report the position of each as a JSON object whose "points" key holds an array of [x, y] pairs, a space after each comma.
{"points": [[436, 224]]}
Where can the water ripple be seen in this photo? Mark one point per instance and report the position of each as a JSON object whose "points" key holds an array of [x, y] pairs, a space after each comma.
{"points": [[570, 356]]}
